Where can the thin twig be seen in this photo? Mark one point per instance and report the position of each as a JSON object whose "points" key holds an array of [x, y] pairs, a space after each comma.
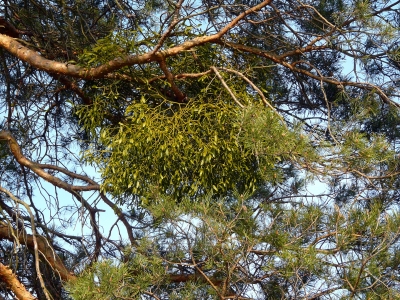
{"points": [[226, 86], [255, 88], [36, 251]]}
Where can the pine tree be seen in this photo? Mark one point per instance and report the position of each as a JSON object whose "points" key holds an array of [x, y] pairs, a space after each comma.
{"points": [[241, 149]]}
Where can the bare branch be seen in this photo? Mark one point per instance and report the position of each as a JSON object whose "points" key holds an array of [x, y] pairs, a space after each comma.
{"points": [[281, 59], [7, 276], [256, 89], [174, 22], [43, 247], [180, 97], [51, 66], [35, 242], [37, 168], [226, 87]]}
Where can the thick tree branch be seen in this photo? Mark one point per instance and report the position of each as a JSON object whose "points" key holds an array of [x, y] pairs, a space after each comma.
{"points": [[12, 282], [43, 246], [36, 60]]}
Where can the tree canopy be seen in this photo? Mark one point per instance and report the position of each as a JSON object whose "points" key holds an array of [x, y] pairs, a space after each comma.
{"points": [[203, 149]]}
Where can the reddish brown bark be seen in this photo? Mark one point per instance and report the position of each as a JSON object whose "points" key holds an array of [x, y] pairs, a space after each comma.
{"points": [[36, 60], [43, 247], [8, 29], [9, 278], [38, 168]]}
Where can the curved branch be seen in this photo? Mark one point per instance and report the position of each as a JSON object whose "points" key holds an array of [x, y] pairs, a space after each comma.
{"points": [[36, 60], [259, 92], [43, 246], [17, 218], [38, 168], [74, 87], [281, 60], [173, 24], [35, 244], [121, 217], [9, 29]]}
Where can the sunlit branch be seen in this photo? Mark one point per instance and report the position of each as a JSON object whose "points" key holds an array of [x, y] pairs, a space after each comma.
{"points": [[42, 245], [12, 282], [292, 66], [181, 76], [55, 67], [226, 87], [180, 97], [259, 92], [38, 168], [175, 21]]}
